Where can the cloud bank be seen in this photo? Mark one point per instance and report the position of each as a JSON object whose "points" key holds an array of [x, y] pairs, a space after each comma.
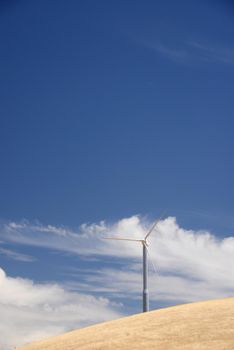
{"points": [[191, 266], [31, 311]]}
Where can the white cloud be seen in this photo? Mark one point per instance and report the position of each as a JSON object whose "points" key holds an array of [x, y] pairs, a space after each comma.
{"points": [[32, 311]]}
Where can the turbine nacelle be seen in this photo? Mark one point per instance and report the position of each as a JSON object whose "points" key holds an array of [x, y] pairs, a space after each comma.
{"points": [[143, 241]]}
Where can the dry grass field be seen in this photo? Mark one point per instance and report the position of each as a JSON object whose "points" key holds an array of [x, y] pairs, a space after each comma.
{"points": [[204, 326]]}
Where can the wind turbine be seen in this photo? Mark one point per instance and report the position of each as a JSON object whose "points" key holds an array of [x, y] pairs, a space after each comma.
{"points": [[144, 242]]}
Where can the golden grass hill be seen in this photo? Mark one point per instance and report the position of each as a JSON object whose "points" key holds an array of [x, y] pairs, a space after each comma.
{"points": [[198, 326]]}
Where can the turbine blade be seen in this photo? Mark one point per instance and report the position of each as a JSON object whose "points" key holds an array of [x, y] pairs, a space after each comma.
{"points": [[152, 263], [154, 225], [122, 239]]}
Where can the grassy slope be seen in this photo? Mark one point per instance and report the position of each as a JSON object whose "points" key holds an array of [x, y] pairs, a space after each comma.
{"points": [[206, 325]]}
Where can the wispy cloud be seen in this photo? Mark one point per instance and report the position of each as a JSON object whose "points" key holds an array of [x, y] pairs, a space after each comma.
{"points": [[171, 52], [193, 52], [214, 54], [84, 241], [11, 254]]}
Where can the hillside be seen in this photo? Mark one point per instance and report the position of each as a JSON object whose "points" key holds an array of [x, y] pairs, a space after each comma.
{"points": [[204, 325]]}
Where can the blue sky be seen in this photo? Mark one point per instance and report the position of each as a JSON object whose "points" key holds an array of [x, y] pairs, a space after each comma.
{"points": [[114, 110]]}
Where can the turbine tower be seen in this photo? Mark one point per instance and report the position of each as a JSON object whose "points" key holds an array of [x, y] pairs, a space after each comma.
{"points": [[144, 242]]}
